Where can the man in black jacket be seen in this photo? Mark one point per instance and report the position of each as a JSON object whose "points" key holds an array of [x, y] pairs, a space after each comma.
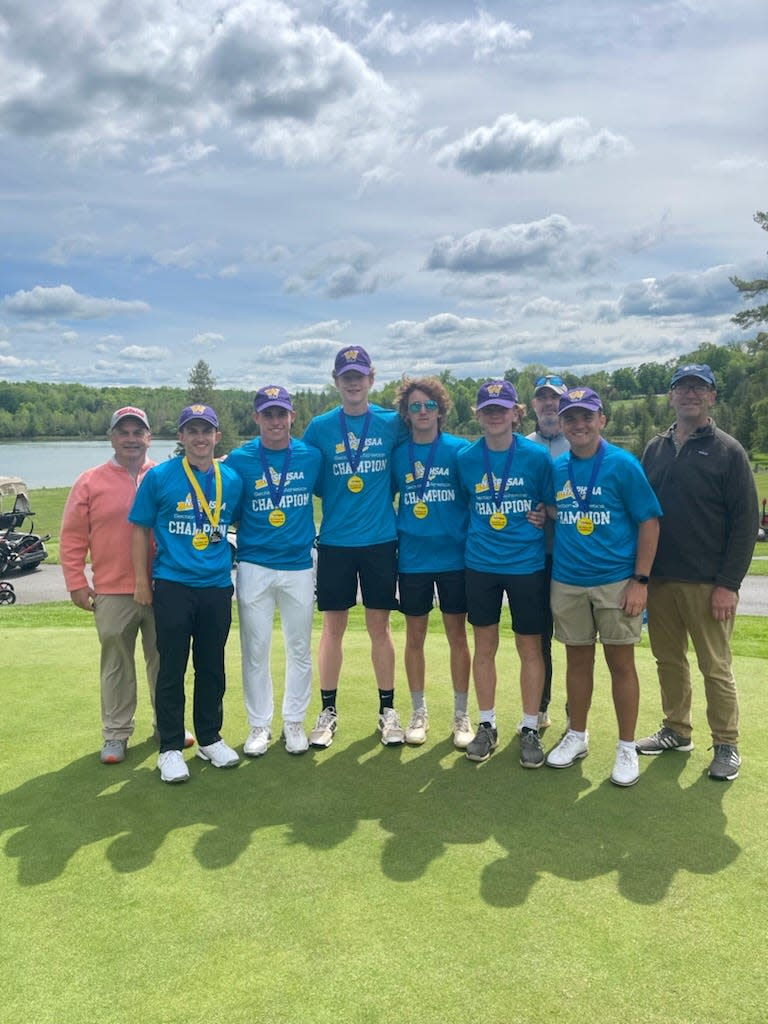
{"points": [[704, 481]]}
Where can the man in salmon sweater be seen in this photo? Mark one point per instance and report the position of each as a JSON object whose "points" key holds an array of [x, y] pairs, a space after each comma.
{"points": [[96, 519]]}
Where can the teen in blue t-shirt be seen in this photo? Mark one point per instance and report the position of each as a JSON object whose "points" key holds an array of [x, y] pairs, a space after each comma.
{"points": [[357, 545], [275, 539], [606, 532], [188, 504], [432, 529]]}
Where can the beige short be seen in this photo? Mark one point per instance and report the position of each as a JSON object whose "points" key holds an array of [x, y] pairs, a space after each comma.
{"points": [[581, 614]]}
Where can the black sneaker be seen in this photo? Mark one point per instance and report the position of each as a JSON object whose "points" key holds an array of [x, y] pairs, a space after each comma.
{"points": [[726, 762], [664, 739], [531, 754], [485, 742]]}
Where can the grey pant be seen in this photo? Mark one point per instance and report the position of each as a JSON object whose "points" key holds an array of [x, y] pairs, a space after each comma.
{"points": [[118, 621]]}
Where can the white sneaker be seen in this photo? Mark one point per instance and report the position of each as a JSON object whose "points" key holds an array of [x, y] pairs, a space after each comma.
{"points": [[418, 727], [569, 749], [219, 754], [257, 742], [325, 727], [389, 727], [294, 738], [173, 767], [626, 770], [463, 733]]}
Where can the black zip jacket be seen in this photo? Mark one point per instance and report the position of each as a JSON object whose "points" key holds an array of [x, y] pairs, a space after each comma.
{"points": [[708, 496]]}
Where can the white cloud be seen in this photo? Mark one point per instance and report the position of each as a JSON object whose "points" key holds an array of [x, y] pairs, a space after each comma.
{"points": [[485, 36], [440, 325], [12, 362], [707, 293], [187, 257], [63, 301], [112, 79], [69, 336], [553, 244], [322, 329], [208, 339], [144, 353], [511, 145]]}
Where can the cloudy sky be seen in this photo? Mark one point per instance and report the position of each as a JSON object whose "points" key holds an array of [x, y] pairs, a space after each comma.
{"points": [[450, 184]]}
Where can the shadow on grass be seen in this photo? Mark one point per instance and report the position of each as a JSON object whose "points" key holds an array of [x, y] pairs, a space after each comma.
{"points": [[427, 801]]}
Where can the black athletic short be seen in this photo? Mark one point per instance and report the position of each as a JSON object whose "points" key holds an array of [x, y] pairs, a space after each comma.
{"points": [[340, 570], [417, 592], [526, 595]]}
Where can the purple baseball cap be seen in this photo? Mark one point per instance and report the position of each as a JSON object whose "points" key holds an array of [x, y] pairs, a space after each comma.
{"points": [[580, 398], [198, 412], [272, 396], [496, 392], [126, 412], [353, 357]]}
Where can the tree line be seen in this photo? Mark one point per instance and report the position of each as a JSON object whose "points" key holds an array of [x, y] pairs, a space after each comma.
{"points": [[634, 398]]}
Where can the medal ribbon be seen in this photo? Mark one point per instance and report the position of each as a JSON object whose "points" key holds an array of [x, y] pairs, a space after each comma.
{"points": [[353, 457], [422, 486], [583, 503], [498, 498], [200, 501], [275, 492]]}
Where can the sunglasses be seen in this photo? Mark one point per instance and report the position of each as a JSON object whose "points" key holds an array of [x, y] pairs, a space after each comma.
{"points": [[550, 379], [430, 405], [697, 389]]}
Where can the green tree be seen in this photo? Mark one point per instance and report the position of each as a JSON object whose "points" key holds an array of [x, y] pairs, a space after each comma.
{"points": [[757, 314], [201, 383]]}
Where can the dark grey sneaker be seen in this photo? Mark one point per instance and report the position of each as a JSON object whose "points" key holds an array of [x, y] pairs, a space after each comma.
{"points": [[485, 742], [664, 739], [531, 754], [726, 762]]}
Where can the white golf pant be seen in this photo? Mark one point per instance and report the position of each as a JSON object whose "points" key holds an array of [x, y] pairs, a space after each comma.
{"points": [[259, 592]]}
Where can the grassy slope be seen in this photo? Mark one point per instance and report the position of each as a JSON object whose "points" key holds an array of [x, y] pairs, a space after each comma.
{"points": [[364, 884]]}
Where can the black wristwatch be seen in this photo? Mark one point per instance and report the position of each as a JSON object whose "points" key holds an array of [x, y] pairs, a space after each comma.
{"points": [[639, 578]]}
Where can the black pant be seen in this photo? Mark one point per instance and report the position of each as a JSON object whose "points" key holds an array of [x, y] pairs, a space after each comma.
{"points": [[546, 643], [202, 616]]}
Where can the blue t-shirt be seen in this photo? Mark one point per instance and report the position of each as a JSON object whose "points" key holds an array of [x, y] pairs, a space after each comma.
{"points": [[276, 545], [164, 504], [518, 548], [356, 519], [621, 500], [435, 542]]}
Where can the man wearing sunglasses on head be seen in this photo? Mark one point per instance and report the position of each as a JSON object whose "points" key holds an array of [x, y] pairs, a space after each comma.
{"points": [[704, 481], [546, 398], [432, 531]]}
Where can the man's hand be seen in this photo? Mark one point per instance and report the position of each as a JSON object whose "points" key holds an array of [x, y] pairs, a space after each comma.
{"points": [[634, 599], [143, 593], [537, 516], [724, 603], [83, 598]]}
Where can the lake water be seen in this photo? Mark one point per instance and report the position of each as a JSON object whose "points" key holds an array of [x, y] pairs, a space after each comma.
{"points": [[57, 463]]}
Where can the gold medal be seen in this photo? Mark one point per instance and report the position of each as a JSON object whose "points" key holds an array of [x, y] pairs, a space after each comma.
{"points": [[355, 484], [584, 525], [420, 510], [200, 541], [277, 517], [498, 521]]}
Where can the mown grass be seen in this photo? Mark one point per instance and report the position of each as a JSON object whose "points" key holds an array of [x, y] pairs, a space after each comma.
{"points": [[364, 884]]}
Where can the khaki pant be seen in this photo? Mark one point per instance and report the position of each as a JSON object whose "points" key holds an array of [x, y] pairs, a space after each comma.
{"points": [[675, 612], [118, 621]]}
